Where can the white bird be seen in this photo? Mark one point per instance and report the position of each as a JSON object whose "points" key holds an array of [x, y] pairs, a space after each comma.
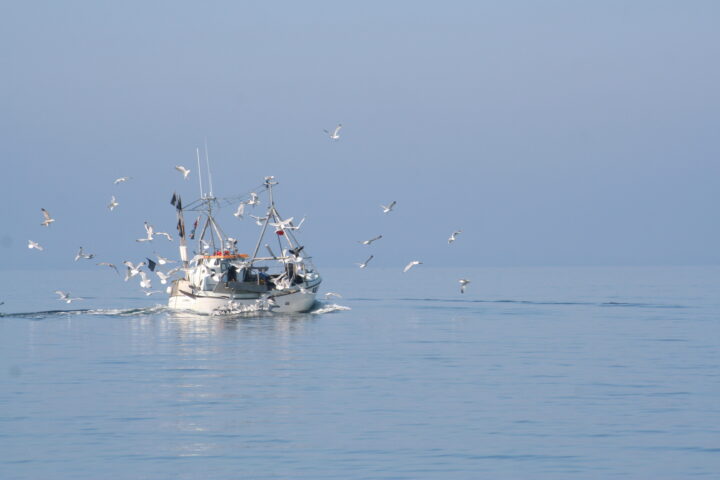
{"points": [[182, 170], [254, 200], [164, 234], [113, 203], [205, 245], [162, 276], [48, 220], [259, 220], [388, 208], [35, 245], [149, 232], [295, 227], [109, 265], [365, 263], [328, 295], [121, 180], [144, 280], [240, 210], [454, 235], [163, 260], [335, 135], [411, 264], [463, 282], [150, 292], [368, 242], [64, 296], [174, 270], [282, 224], [132, 270], [82, 254]]}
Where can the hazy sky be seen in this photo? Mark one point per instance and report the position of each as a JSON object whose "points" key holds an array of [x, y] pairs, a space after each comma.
{"points": [[552, 133]]}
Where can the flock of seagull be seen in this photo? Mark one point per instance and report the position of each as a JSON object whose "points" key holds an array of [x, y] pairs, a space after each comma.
{"points": [[133, 270]]}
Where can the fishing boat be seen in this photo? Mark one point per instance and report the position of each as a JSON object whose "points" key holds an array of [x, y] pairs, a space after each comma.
{"points": [[220, 279]]}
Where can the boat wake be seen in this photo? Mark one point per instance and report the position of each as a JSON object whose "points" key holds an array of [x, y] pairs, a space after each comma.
{"points": [[321, 308], [104, 312]]}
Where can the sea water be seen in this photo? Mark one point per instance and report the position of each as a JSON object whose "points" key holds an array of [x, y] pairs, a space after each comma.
{"points": [[546, 373]]}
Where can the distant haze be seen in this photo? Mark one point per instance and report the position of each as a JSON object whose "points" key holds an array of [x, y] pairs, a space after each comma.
{"points": [[551, 133]]}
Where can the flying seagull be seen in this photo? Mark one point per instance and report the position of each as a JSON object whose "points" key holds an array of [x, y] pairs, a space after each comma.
{"points": [[164, 234], [254, 200], [463, 282], [109, 265], [144, 280], [335, 135], [48, 220], [240, 210], [149, 231], [454, 235], [368, 242], [150, 292], [332, 294], [163, 260], [121, 180], [64, 296], [113, 203], [411, 264], [259, 220], [36, 245], [182, 170], [132, 270], [162, 276], [295, 227], [365, 263], [388, 208], [82, 254]]}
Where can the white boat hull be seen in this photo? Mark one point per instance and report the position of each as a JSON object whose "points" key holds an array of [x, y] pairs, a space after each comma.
{"points": [[207, 303]]}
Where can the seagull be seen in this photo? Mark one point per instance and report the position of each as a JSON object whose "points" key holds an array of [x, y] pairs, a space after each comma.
{"points": [[295, 227], [240, 210], [174, 270], [463, 282], [150, 292], [411, 264], [259, 220], [162, 276], [150, 231], [454, 235], [254, 200], [364, 264], [32, 244], [368, 242], [144, 280], [182, 170], [48, 220], [163, 260], [121, 180], [81, 254], [335, 135], [388, 208], [132, 270], [64, 296], [332, 294], [164, 234], [282, 224], [113, 203], [109, 265]]}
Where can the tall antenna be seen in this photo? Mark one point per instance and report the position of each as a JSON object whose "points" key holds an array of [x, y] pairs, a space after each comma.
{"points": [[207, 160], [197, 152]]}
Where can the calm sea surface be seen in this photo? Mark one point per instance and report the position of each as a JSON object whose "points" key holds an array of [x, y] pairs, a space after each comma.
{"points": [[547, 373]]}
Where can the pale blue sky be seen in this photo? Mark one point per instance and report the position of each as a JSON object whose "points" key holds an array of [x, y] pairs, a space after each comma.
{"points": [[552, 133]]}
